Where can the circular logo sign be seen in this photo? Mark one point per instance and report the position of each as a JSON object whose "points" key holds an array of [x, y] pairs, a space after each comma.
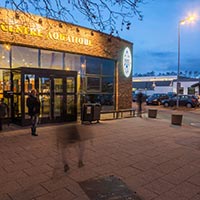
{"points": [[127, 62]]}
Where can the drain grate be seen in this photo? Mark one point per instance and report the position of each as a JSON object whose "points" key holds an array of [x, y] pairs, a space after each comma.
{"points": [[108, 188]]}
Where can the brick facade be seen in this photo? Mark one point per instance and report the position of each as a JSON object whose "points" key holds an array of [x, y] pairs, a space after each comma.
{"points": [[35, 31]]}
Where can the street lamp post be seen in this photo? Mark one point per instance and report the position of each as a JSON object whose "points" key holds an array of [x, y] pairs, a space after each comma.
{"points": [[178, 70], [181, 22]]}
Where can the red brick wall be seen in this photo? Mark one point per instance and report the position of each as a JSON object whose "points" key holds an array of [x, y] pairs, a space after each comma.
{"points": [[34, 31]]}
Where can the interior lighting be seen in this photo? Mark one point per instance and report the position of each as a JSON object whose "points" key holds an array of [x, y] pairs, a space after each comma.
{"points": [[7, 47]]}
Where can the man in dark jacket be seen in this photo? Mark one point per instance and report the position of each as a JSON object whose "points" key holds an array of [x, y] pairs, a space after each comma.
{"points": [[139, 101], [33, 105]]}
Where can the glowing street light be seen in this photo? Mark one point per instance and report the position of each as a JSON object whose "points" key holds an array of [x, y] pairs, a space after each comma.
{"points": [[189, 20]]}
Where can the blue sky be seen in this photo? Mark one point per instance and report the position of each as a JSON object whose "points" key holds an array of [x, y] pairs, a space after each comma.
{"points": [[156, 37]]}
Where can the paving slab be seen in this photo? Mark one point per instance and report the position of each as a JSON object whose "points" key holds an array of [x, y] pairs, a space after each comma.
{"points": [[151, 157]]}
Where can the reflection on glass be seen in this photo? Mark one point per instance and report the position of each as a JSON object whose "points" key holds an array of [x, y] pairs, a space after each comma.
{"points": [[24, 57], [4, 56], [70, 84], [17, 105], [44, 85], [93, 84], [5, 81], [108, 67], [93, 65], [107, 84], [16, 82], [72, 62], [70, 105], [58, 102], [58, 86], [51, 59], [29, 82], [26, 108], [45, 109]]}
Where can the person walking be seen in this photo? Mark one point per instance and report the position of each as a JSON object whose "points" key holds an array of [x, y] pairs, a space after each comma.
{"points": [[70, 137], [139, 101], [33, 105], [3, 112]]}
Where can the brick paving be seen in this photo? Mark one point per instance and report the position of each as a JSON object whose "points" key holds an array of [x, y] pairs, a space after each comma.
{"points": [[157, 160]]}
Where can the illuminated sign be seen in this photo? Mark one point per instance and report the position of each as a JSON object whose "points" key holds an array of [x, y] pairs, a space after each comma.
{"points": [[127, 62], [37, 32]]}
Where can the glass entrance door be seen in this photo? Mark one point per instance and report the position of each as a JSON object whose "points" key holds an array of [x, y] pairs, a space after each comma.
{"points": [[56, 91], [45, 96], [51, 95]]}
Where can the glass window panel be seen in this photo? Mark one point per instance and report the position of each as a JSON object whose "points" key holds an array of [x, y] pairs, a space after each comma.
{"points": [[16, 82], [93, 84], [70, 104], [58, 86], [93, 65], [107, 100], [29, 82], [44, 85], [26, 108], [51, 59], [107, 84], [4, 56], [58, 102], [5, 81], [108, 67], [45, 109], [70, 85], [72, 62], [17, 105], [24, 57]]}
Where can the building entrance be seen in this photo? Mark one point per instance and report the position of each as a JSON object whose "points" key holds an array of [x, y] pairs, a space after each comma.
{"points": [[56, 90]]}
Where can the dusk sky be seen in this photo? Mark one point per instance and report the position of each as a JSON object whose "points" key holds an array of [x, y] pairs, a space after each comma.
{"points": [[155, 38]]}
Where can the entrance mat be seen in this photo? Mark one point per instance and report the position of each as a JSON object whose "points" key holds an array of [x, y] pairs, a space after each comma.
{"points": [[108, 188]]}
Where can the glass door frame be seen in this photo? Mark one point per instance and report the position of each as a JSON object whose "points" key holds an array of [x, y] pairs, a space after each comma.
{"points": [[52, 75]]}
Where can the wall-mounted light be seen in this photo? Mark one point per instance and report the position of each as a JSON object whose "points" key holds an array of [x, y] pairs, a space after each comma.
{"points": [[92, 33], [109, 39], [40, 21], [77, 30], [60, 25], [17, 15]]}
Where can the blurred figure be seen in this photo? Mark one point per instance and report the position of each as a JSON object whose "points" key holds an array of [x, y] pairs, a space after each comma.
{"points": [[65, 137], [33, 104], [3, 112], [139, 102]]}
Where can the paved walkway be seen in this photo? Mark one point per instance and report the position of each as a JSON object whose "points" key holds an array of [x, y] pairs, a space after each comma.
{"points": [[157, 160]]}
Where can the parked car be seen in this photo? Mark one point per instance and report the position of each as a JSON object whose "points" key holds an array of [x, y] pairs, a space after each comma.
{"points": [[156, 99], [183, 100]]}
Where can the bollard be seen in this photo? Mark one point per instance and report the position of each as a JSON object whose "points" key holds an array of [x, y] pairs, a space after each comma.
{"points": [[176, 119], [152, 113]]}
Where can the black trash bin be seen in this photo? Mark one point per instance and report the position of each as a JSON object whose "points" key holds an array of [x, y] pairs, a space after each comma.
{"points": [[96, 112], [91, 112]]}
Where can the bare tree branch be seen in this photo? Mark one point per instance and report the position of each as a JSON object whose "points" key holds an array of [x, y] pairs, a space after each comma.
{"points": [[103, 15]]}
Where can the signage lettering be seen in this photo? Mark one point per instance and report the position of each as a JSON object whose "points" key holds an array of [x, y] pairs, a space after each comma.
{"points": [[37, 32]]}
